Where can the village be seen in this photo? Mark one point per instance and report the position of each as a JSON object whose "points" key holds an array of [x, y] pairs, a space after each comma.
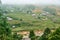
{"points": [[29, 22]]}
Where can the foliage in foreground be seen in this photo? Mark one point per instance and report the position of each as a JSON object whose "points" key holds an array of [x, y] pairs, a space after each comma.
{"points": [[48, 35], [17, 37], [45, 35], [32, 35], [55, 35], [5, 29]]}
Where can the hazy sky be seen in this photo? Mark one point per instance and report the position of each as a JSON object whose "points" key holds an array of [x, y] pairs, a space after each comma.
{"points": [[31, 2]]}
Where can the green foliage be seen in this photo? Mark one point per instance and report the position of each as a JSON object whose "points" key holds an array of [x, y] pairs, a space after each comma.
{"points": [[57, 20], [55, 35], [1, 12], [28, 21], [25, 24], [32, 35], [17, 37], [50, 10], [21, 19], [5, 31], [45, 35], [47, 31], [51, 36]]}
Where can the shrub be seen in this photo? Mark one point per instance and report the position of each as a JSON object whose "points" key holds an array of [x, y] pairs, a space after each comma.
{"points": [[32, 35], [45, 35]]}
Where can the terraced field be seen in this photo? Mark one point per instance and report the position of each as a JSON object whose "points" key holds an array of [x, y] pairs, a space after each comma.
{"points": [[28, 22]]}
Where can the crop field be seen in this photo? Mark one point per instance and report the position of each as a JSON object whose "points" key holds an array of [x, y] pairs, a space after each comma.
{"points": [[29, 22]]}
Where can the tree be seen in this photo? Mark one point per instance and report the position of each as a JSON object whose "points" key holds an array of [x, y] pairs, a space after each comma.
{"points": [[32, 35], [55, 35], [45, 35], [5, 30], [17, 37], [50, 10], [47, 31]]}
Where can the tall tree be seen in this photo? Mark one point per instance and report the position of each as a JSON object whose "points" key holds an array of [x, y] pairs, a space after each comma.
{"points": [[17, 37], [45, 35], [55, 35], [5, 30], [32, 35]]}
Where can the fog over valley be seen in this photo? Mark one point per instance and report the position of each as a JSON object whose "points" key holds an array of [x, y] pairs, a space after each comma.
{"points": [[55, 2]]}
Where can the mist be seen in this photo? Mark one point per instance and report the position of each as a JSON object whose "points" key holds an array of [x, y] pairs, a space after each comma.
{"points": [[56, 2]]}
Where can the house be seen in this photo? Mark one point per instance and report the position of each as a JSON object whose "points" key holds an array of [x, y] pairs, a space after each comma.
{"points": [[24, 33], [8, 18], [38, 32], [13, 26], [33, 15]]}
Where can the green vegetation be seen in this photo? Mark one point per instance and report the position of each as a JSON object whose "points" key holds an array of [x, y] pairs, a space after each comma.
{"points": [[5, 30], [55, 35], [46, 34], [32, 35], [51, 10], [28, 22], [17, 37], [22, 19]]}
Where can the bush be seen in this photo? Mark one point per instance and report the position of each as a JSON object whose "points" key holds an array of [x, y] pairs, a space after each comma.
{"points": [[5, 30], [55, 35], [45, 35], [21, 19], [32, 35], [17, 37]]}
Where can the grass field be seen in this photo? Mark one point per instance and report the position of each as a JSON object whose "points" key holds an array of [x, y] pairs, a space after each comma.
{"points": [[30, 23]]}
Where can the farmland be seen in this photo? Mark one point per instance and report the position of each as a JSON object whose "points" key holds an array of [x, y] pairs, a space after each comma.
{"points": [[28, 22]]}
